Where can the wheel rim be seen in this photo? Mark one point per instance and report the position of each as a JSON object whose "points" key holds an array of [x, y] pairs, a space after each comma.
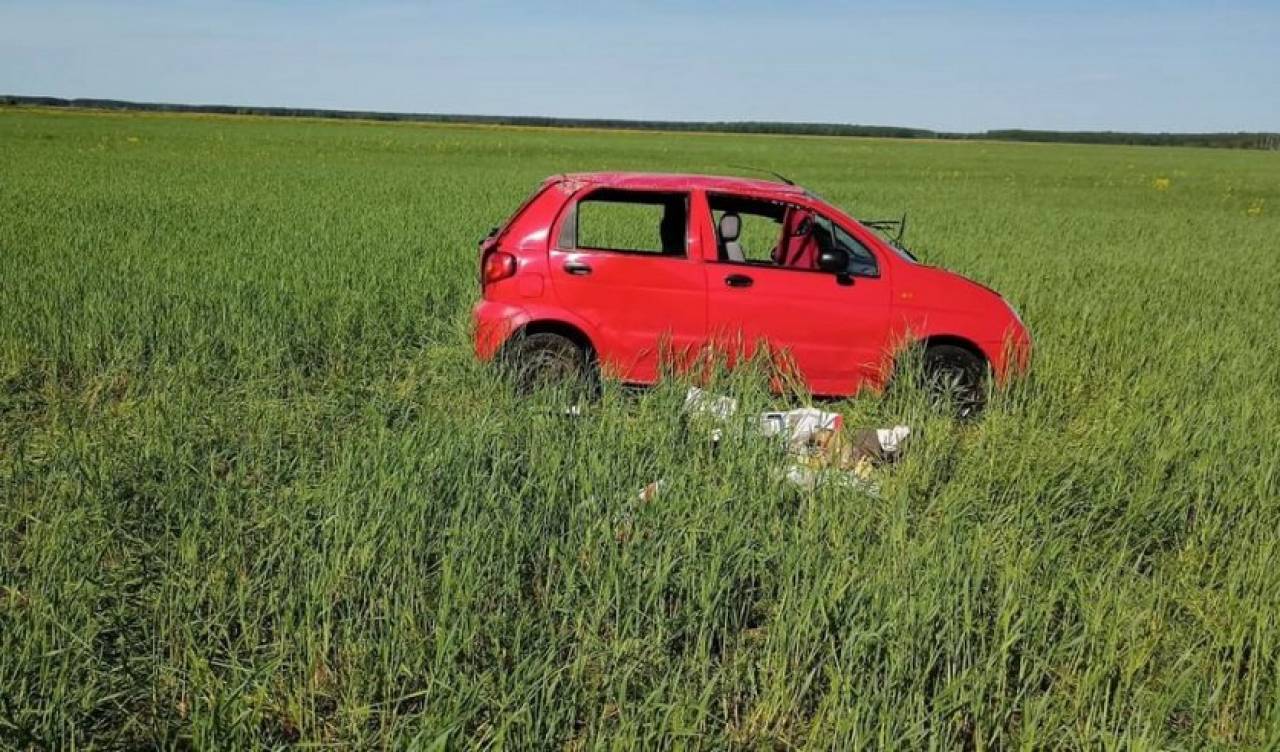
{"points": [[953, 386], [547, 368]]}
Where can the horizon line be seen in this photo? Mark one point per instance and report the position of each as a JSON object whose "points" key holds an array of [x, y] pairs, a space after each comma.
{"points": [[1266, 139]]}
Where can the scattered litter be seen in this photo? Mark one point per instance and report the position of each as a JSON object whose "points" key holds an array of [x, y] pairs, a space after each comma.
{"points": [[697, 402], [808, 431], [650, 491], [845, 458], [810, 479], [818, 448], [800, 426]]}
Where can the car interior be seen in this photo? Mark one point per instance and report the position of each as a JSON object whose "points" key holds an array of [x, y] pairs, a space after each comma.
{"points": [[762, 232], [773, 233], [759, 232], [729, 226]]}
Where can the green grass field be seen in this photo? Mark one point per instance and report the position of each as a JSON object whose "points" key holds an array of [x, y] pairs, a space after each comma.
{"points": [[255, 491]]}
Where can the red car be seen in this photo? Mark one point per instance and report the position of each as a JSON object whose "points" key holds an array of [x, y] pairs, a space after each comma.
{"points": [[629, 270]]}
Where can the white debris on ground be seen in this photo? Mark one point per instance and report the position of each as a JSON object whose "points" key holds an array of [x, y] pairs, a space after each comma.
{"points": [[819, 449], [698, 402], [799, 426]]}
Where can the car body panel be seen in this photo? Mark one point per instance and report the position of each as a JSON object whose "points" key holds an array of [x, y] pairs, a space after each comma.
{"points": [[645, 308], [792, 311]]}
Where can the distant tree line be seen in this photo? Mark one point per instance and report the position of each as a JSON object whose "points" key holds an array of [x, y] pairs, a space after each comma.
{"points": [[1242, 140]]}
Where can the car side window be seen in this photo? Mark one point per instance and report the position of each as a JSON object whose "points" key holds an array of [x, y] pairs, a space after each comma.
{"points": [[623, 221], [755, 239], [783, 235], [862, 263], [747, 228]]}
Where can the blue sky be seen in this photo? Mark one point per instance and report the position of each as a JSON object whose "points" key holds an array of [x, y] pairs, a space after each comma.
{"points": [[1120, 65]]}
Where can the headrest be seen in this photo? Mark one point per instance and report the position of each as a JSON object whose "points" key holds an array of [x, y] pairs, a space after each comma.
{"points": [[730, 226]]}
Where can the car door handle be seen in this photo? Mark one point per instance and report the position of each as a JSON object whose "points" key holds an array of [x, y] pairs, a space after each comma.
{"points": [[577, 267], [738, 280]]}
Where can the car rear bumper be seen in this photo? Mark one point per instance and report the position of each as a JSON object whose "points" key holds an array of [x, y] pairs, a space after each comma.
{"points": [[492, 322]]}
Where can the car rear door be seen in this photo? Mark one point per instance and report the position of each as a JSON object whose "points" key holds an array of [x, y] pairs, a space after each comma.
{"points": [[832, 328], [630, 265]]}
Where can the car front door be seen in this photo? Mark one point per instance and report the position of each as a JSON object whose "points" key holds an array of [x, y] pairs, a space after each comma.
{"points": [[832, 328], [628, 263]]}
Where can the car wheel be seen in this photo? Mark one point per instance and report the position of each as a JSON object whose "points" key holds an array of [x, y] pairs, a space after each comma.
{"points": [[955, 379], [547, 360]]}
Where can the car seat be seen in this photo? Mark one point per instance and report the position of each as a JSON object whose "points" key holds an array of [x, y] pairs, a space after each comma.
{"points": [[730, 227], [796, 248]]}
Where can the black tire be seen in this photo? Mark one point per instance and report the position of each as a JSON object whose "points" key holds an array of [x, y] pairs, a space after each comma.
{"points": [[547, 360], [956, 379]]}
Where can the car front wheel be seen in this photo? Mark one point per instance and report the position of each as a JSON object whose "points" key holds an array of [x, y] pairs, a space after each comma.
{"points": [[955, 379]]}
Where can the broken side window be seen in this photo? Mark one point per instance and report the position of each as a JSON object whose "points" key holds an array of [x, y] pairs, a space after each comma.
{"points": [[628, 222]]}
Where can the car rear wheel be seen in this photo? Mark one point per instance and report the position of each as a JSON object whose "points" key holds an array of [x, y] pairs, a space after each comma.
{"points": [[955, 379], [548, 361]]}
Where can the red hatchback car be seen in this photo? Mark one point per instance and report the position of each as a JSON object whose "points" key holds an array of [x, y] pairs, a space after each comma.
{"points": [[629, 270]]}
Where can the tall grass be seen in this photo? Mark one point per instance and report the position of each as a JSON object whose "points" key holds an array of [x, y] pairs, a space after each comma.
{"points": [[254, 491]]}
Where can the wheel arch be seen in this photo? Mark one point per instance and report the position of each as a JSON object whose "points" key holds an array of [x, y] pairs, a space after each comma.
{"points": [[893, 366], [955, 341], [565, 329]]}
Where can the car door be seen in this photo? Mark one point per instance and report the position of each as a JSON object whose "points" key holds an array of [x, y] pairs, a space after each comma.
{"points": [[627, 262], [832, 329]]}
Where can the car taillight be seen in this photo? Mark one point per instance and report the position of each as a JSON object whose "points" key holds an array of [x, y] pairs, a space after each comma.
{"points": [[498, 265]]}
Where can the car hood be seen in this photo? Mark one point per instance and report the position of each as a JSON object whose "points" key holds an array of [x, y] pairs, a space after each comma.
{"points": [[959, 293]]}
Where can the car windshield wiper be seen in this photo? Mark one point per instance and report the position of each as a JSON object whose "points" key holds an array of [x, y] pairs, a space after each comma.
{"points": [[885, 226], [898, 228]]}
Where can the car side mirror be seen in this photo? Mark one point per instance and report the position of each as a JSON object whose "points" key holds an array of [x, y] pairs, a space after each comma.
{"points": [[834, 260]]}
